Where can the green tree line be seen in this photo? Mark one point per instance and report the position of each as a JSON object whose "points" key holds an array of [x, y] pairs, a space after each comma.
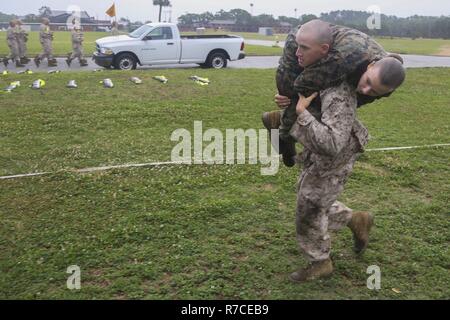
{"points": [[391, 26]]}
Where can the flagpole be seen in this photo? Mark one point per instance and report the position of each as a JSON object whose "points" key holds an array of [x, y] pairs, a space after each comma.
{"points": [[117, 25], [112, 13]]}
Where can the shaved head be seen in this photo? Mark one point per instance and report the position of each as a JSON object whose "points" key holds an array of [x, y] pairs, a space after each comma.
{"points": [[382, 77], [392, 72], [319, 30], [314, 40]]}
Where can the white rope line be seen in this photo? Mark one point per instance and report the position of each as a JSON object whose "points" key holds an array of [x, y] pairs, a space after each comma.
{"points": [[25, 175], [412, 147], [157, 164]]}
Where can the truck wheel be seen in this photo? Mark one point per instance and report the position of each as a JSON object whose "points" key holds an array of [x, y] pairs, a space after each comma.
{"points": [[125, 61], [217, 60]]}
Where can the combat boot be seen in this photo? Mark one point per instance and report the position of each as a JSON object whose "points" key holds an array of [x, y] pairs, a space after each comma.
{"points": [[315, 270], [24, 60], [84, 63], [272, 120], [360, 224], [19, 65], [69, 62], [5, 61], [37, 61], [52, 63]]}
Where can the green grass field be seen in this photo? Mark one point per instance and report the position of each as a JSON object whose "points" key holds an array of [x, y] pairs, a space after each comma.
{"points": [[397, 45], [436, 47], [62, 44], [204, 232], [418, 46], [246, 35], [252, 50]]}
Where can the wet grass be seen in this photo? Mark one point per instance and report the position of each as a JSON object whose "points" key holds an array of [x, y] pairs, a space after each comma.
{"points": [[202, 231]]}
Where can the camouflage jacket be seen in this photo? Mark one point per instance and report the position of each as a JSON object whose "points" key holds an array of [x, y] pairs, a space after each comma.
{"points": [[288, 67], [337, 128], [21, 34], [11, 35], [348, 59], [77, 37], [45, 32]]}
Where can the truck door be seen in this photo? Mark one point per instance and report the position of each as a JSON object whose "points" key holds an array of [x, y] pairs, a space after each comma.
{"points": [[160, 47]]}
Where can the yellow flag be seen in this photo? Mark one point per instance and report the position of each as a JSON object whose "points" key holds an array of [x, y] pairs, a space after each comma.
{"points": [[111, 11]]}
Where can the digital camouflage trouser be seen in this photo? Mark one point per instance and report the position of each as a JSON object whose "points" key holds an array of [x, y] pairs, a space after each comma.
{"points": [[318, 211], [47, 47], [14, 49], [77, 52]]}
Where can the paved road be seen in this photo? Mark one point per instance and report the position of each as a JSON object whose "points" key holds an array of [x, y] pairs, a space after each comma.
{"points": [[411, 61]]}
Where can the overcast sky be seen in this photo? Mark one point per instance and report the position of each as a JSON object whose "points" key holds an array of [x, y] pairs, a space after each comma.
{"points": [[144, 10]]}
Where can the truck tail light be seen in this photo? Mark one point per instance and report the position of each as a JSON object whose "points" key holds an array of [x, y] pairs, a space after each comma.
{"points": [[242, 46]]}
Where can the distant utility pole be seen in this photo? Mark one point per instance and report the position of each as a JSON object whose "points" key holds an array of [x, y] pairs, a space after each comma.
{"points": [[251, 8], [295, 10]]}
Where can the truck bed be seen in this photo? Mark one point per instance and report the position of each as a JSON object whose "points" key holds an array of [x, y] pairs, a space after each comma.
{"points": [[206, 36]]}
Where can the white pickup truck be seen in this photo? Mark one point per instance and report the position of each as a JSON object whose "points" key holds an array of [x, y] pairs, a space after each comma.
{"points": [[161, 43]]}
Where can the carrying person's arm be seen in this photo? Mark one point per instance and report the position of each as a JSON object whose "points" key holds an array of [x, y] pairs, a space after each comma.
{"points": [[330, 135]]}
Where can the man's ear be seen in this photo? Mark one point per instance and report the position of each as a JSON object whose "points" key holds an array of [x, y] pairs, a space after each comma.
{"points": [[371, 65], [325, 47]]}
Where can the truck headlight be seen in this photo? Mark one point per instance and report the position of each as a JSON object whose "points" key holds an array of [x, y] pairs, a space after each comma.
{"points": [[106, 51]]}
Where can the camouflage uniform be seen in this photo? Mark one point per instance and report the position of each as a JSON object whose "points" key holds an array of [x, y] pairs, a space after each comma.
{"points": [[46, 38], [77, 45], [350, 49], [22, 38], [13, 44], [332, 142]]}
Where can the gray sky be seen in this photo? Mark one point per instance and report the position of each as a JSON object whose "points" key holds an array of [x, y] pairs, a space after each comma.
{"points": [[144, 10]]}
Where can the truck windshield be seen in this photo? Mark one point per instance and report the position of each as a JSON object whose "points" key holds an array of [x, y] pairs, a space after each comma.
{"points": [[140, 31]]}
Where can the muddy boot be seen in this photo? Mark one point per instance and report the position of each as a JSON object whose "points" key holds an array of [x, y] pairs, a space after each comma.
{"points": [[5, 61], [272, 120], [360, 224], [19, 65], [315, 270], [37, 61], [69, 62], [84, 63]]}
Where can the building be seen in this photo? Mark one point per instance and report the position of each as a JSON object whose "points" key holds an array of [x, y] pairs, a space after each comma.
{"points": [[62, 16], [283, 27], [222, 24], [61, 20]]}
